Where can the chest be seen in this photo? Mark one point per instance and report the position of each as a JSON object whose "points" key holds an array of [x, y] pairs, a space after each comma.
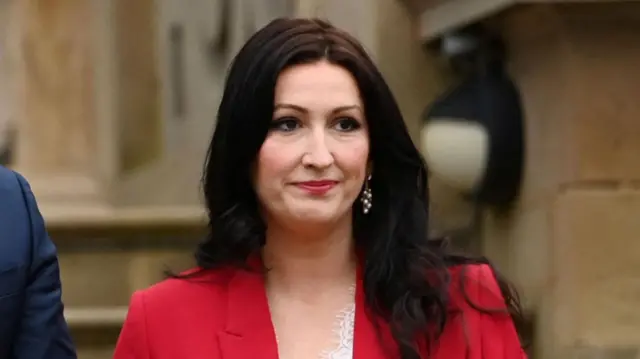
{"points": [[243, 325], [354, 337], [325, 334]]}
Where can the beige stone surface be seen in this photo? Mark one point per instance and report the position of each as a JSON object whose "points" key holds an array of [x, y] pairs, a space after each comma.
{"points": [[586, 55], [91, 352], [519, 241], [519, 245], [139, 119], [570, 241], [92, 130], [539, 66], [597, 271], [604, 54], [97, 278], [449, 211], [55, 102], [172, 176], [106, 278], [415, 76], [7, 119], [95, 343], [580, 128]]}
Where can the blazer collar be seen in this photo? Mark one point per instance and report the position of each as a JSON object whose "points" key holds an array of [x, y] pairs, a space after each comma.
{"points": [[249, 332]]}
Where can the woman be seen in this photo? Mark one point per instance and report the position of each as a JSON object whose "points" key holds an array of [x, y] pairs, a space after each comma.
{"points": [[318, 210]]}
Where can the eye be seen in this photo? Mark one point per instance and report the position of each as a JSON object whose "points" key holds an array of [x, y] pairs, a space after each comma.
{"points": [[346, 124], [285, 124]]}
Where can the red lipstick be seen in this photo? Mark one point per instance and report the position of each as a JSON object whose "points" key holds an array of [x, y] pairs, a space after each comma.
{"points": [[317, 187]]}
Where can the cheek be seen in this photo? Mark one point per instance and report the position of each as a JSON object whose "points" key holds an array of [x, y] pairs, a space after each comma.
{"points": [[354, 159], [273, 163]]}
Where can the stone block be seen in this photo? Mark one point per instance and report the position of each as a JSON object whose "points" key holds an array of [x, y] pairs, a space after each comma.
{"points": [[90, 352], [95, 343], [603, 68], [588, 352], [449, 212], [415, 76], [519, 244], [138, 84], [577, 76], [107, 278], [596, 288], [95, 279]]}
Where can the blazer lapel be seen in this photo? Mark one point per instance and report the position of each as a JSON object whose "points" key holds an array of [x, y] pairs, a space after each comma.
{"points": [[370, 342], [249, 331]]}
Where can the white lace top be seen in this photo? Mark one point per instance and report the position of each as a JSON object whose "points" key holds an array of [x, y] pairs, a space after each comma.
{"points": [[343, 333]]}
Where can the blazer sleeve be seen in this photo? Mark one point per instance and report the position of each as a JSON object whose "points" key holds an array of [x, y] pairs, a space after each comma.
{"points": [[43, 332], [499, 337], [133, 342]]}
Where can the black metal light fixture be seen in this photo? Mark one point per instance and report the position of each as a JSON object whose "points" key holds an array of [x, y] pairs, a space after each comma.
{"points": [[472, 137]]}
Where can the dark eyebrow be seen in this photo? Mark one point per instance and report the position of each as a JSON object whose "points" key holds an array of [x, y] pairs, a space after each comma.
{"points": [[304, 110]]}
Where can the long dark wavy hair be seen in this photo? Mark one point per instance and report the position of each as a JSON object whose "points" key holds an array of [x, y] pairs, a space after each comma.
{"points": [[392, 237]]}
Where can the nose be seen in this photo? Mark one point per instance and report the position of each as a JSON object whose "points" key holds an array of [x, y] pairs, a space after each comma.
{"points": [[318, 154]]}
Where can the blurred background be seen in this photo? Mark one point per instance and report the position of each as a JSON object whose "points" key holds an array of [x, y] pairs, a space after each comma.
{"points": [[526, 111]]}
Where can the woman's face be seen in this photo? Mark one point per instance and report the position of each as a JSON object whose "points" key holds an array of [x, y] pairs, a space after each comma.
{"points": [[313, 162]]}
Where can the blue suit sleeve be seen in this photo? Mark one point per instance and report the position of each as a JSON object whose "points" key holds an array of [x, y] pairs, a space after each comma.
{"points": [[43, 332]]}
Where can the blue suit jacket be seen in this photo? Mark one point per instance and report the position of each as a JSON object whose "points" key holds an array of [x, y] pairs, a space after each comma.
{"points": [[32, 325]]}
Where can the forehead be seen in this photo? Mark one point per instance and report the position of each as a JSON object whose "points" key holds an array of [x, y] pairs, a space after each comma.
{"points": [[316, 84]]}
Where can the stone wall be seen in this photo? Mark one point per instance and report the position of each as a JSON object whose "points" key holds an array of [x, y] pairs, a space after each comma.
{"points": [[571, 243]]}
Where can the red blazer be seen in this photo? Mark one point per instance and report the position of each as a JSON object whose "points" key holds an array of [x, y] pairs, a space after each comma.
{"points": [[225, 315]]}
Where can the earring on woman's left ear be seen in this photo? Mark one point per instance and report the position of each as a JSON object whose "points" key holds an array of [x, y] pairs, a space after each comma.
{"points": [[366, 197]]}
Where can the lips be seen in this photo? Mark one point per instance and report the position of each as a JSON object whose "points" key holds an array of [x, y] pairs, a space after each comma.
{"points": [[317, 187]]}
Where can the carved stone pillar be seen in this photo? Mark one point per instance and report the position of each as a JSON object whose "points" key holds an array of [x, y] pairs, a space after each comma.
{"points": [[88, 109], [55, 101]]}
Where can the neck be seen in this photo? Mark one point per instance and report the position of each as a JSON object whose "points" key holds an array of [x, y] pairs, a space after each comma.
{"points": [[307, 260]]}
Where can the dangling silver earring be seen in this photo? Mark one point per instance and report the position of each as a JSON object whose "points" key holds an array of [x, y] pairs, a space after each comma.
{"points": [[366, 198]]}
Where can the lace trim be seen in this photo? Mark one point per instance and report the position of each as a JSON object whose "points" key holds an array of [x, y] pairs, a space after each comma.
{"points": [[344, 333]]}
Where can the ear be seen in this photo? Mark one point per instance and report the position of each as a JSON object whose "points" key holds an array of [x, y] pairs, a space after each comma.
{"points": [[369, 168]]}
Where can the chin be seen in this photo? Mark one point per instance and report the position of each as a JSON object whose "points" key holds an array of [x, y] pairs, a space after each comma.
{"points": [[315, 214], [316, 217]]}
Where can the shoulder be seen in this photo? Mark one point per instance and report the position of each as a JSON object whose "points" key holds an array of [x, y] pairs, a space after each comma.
{"points": [[480, 322], [190, 285], [10, 181], [15, 212], [14, 190], [169, 317], [475, 286], [196, 293], [5, 174]]}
